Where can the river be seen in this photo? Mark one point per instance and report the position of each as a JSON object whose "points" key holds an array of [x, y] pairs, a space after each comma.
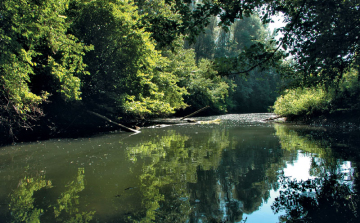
{"points": [[239, 170]]}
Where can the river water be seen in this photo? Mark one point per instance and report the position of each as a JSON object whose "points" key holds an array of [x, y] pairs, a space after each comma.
{"points": [[239, 170]]}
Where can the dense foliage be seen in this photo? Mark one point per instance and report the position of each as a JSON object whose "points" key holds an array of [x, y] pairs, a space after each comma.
{"points": [[127, 59], [323, 36], [253, 91], [38, 58], [203, 84], [127, 73], [322, 39], [321, 100], [95, 55]]}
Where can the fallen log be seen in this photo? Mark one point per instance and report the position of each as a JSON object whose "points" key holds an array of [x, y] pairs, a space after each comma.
{"points": [[273, 118], [194, 113], [118, 124]]}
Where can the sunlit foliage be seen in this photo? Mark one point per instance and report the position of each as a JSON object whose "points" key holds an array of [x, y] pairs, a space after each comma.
{"points": [[115, 56], [302, 101], [126, 71], [203, 84], [318, 100], [38, 58]]}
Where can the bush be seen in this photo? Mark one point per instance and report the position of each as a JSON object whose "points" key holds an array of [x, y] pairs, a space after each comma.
{"points": [[302, 101], [319, 100]]}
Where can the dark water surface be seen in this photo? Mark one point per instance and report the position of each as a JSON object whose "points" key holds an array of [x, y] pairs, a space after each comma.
{"points": [[240, 170]]}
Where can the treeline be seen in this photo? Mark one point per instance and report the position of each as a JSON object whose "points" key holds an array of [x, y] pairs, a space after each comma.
{"points": [[133, 60], [251, 91], [121, 59], [61, 58]]}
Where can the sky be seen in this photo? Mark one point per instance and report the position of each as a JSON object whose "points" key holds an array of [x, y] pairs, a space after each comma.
{"points": [[277, 24]]}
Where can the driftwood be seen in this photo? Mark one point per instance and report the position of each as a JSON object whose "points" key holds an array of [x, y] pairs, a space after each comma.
{"points": [[194, 113], [118, 124], [277, 117]]}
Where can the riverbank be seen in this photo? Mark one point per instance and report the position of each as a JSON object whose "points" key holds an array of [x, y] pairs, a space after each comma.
{"points": [[70, 124], [86, 125], [338, 119]]}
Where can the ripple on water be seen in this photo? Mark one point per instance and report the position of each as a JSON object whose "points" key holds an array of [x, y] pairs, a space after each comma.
{"points": [[251, 118], [241, 119]]}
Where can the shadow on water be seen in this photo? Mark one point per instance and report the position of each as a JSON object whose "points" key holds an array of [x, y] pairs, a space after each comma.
{"points": [[235, 171]]}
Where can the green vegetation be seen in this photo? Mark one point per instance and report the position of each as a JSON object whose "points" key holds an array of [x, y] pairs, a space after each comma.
{"points": [[38, 58], [321, 100], [255, 90], [302, 101], [320, 59], [141, 59], [62, 58], [127, 74]]}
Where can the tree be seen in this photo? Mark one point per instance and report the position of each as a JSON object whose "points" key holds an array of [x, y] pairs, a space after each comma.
{"points": [[127, 73], [203, 84], [252, 92], [39, 58], [205, 43], [322, 36], [321, 99]]}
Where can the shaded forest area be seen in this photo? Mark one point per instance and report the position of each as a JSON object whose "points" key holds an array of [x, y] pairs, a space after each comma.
{"points": [[135, 60]]}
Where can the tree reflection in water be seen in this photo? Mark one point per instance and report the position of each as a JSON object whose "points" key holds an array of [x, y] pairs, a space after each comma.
{"points": [[213, 178], [25, 206], [324, 199], [330, 197], [173, 163], [22, 206], [212, 174]]}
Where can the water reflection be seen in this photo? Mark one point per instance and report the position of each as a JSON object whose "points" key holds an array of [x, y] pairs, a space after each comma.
{"points": [[227, 172], [172, 162], [27, 203], [324, 199], [216, 178], [323, 159], [22, 199], [331, 193], [66, 208]]}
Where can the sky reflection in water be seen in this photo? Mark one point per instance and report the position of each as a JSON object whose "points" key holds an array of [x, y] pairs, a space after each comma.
{"points": [[184, 173]]}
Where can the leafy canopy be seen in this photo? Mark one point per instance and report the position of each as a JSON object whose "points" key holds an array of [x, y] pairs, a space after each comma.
{"points": [[38, 57], [323, 37]]}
